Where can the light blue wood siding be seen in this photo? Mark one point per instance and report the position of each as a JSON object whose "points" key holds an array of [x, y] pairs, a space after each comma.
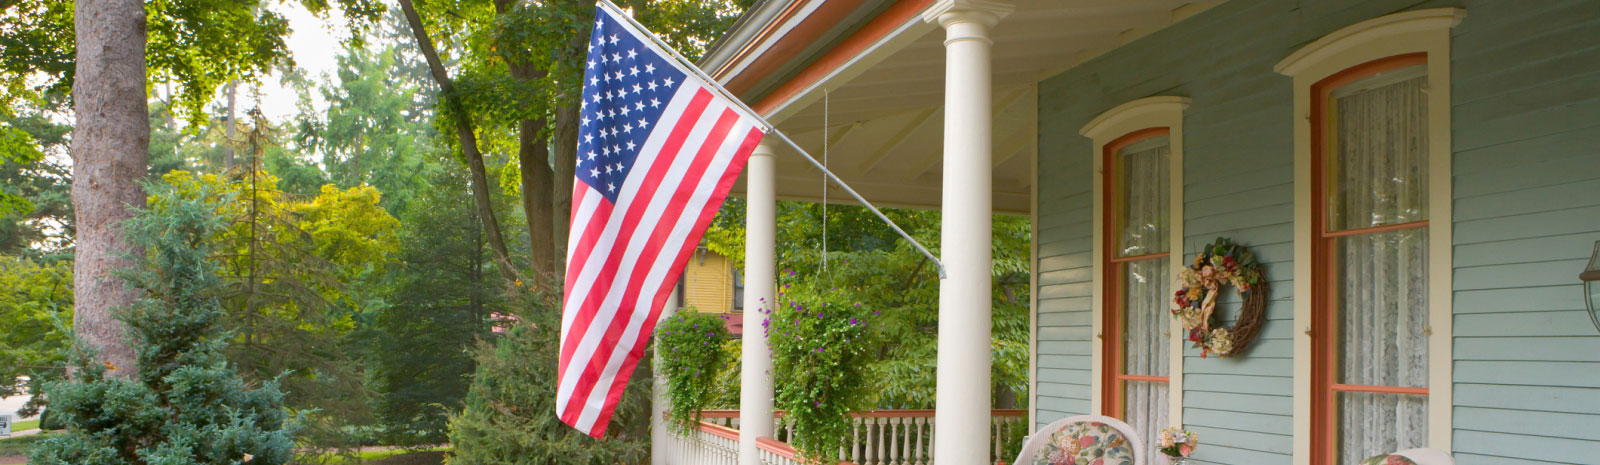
{"points": [[1526, 97]]}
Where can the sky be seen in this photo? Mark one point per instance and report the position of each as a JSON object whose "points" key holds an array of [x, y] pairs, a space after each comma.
{"points": [[314, 44]]}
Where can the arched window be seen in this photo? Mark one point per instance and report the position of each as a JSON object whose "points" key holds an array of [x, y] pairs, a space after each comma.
{"points": [[1372, 250], [1138, 239]]}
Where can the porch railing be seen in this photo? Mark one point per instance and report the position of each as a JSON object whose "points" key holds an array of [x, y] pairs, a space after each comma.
{"points": [[890, 437], [710, 444]]}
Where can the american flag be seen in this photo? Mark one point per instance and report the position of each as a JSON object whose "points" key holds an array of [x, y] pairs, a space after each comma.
{"points": [[658, 152]]}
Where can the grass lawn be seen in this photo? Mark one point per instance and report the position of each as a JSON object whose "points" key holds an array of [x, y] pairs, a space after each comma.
{"points": [[390, 456], [24, 425], [21, 444]]}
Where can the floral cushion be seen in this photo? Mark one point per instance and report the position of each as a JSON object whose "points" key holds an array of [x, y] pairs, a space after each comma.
{"points": [[1387, 459], [1086, 443]]}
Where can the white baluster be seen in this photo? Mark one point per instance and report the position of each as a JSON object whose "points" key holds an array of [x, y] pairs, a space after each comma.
{"points": [[855, 441]]}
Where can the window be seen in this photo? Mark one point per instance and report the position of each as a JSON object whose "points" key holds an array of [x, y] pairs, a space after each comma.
{"points": [[738, 289], [683, 290], [1372, 237], [1136, 281], [1370, 386], [1138, 211]]}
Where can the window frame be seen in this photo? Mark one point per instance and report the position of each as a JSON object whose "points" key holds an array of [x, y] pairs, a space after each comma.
{"points": [[1113, 311], [1151, 113], [1425, 32], [1325, 326]]}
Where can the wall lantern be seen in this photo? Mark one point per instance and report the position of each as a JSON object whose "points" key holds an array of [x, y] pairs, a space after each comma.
{"points": [[1591, 285]]}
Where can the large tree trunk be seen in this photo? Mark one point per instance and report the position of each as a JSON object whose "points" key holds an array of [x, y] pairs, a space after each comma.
{"points": [[533, 156], [566, 159], [109, 150], [468, 140]]}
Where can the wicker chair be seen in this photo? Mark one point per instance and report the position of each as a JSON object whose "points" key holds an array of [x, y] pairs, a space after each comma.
{"points": [[1084, 437]]}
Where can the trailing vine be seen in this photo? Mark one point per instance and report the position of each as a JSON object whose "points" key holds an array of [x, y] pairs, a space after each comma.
{"points": [[691, 359], [820, 341]]}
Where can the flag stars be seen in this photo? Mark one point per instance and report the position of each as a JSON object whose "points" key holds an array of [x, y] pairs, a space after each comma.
{"points": [[649, 68], [638, 106], [637, 88], [667, 82], [594, 173], [652, 86], [654, 103], [632, 53], [611, 187], [630, 145], [642, 123]]}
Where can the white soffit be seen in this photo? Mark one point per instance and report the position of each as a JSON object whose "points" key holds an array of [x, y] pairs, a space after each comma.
{"points": [[885, 127]]}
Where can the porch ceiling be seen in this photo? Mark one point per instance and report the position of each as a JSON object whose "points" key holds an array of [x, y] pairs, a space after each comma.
{"points": [[884, 120]]}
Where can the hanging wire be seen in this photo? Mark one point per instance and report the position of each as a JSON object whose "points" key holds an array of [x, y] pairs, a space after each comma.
{"points": [[825, 145]]}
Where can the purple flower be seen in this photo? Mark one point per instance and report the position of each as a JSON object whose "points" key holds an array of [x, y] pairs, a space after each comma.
{"points": [[819, 315], [819, 349], [852, 321]]}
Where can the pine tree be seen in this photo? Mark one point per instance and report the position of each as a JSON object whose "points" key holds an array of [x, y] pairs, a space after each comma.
{"points": [[187, 405], [508, 418]]}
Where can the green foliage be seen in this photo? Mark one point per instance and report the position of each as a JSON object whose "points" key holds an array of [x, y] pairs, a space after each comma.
{"points": [[508, 419], [293, 271], [376, 127], [692, 359], [437, 300], [187, 405], [821, 353], [35, 325], [35, 208], [877, 268], [197, 44]]}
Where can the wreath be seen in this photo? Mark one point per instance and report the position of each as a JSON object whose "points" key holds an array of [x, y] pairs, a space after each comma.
{"points": [[1199, 285]]}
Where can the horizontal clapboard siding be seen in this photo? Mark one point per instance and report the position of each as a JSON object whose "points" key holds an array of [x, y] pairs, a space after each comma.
{"points": [[1527, 186], [1526, 98]]}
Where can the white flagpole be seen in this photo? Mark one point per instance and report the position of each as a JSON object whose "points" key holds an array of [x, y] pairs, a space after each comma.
{"points": [[771, 129]]}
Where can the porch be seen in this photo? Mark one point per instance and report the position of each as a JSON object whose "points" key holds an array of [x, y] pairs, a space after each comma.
{"points": [[979, 107]]}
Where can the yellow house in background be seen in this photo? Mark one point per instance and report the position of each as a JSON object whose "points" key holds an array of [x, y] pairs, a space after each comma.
{"points": [[710, 284]]}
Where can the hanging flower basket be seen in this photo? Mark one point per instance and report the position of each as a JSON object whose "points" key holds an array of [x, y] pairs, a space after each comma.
{"points": [[1218, 265]]}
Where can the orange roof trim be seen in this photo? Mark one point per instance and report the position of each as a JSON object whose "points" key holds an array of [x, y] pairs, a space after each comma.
{"points": [[875, 30]]}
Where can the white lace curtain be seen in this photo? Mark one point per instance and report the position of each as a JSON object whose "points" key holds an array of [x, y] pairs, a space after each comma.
{"points": [[1146, 283], [1380, 178]]}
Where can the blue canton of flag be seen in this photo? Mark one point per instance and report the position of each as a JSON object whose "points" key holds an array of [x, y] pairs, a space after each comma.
{"points": [[626, 88]]}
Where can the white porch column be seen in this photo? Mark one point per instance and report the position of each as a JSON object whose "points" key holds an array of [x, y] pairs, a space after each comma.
{"points": [[760, 274], [963, 398], [659, 436]]}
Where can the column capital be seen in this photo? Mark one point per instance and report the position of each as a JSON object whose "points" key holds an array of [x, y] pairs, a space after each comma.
{"points": [[764, 149], [948, 12]]}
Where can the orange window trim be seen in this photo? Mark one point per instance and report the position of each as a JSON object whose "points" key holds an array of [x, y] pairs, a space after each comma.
{"points": [[1111, 326], [1324, 337]]}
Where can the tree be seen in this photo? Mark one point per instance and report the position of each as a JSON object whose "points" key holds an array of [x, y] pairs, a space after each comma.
{"points": [[187, 405], [35, 324], [108, 153], [468, 140], [35, 185], [293, 284], [877, 268], [508, 420], [438, 302], [375, 130]]}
